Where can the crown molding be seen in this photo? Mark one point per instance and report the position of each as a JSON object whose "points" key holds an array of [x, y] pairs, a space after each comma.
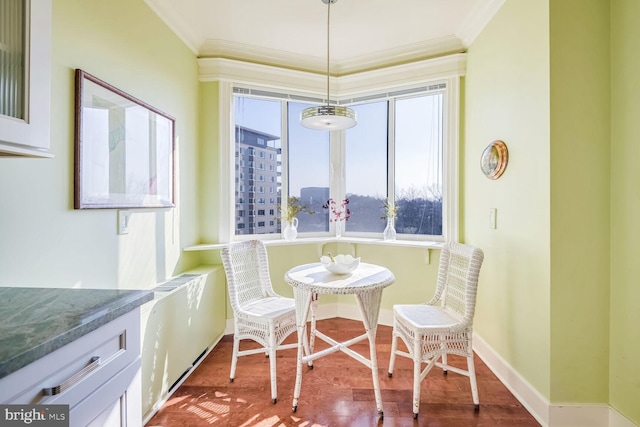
{"points": [[265, 56], [181, 28], [405, 75], [314, 64], [400, 55], [265, 76], [305, 83], [477, 19]]}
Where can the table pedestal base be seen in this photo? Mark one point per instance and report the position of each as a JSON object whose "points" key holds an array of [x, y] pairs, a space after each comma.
{"points": [[368, 304]]}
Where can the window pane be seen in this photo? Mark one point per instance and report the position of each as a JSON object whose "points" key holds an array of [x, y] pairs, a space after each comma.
{"points": [[12, 58], [309, 170], [366, 168], [257, 164], [418, 164]]}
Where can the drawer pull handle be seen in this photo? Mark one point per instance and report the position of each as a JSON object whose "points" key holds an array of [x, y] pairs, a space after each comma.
{"points": [[73, 379]]}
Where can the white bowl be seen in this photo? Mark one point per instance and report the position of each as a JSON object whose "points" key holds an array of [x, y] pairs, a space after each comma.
{"points": [[341, 264]]}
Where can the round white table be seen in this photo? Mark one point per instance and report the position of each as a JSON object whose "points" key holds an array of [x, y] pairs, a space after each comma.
{"points": [[365, 284]]}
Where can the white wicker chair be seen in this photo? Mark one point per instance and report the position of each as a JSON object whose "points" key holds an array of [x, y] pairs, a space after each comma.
{"points": [[260, 314], [443, 325]]}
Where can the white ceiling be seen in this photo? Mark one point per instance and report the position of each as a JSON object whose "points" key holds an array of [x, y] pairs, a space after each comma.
{"points": [[365, 34]]}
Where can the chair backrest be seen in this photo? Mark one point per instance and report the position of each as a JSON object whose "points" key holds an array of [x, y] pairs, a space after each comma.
{"points": [[247, 268], [458, 279]]}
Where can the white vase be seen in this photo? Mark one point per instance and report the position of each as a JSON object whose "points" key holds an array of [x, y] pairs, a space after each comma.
{"points": [[291, 230], [338, 229], [389, 232]]}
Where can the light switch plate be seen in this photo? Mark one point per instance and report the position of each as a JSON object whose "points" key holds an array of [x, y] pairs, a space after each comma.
{"points": [[493, 212], [123, 222]]}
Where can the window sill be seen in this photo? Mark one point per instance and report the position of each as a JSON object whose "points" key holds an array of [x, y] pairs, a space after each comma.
{"points": [[323, 240]]}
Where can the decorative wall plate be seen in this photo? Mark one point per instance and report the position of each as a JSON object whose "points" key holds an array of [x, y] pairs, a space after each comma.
{"points": [[494, 159]]}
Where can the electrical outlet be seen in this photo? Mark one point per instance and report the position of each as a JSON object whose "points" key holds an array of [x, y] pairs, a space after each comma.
{"points": [[123, 222], [493, 212]]}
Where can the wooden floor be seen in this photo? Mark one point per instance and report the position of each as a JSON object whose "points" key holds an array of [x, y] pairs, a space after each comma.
{"points": [[336, 392]]}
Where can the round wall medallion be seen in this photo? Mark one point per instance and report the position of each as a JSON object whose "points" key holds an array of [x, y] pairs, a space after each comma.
{"points": [[494, 159]]}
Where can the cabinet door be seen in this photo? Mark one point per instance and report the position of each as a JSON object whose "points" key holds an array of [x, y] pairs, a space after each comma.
{"points": [[25, 73], [116, 403]]}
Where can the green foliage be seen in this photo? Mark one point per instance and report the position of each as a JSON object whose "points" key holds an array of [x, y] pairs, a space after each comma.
{"points": [[293, 208], [390, 210]]}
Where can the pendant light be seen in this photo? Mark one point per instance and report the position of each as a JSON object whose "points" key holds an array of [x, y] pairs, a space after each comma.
{"points": [[328, 117]]}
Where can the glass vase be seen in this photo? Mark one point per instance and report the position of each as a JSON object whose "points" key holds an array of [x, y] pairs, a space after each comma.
{"points": [[291, 230], [338, 227], [389, 232]]}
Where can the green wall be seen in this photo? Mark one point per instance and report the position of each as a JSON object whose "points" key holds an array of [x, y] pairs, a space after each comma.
{"points": [[45, 242], [507, 98], [557, 81], [580, 135], [624, 377]]}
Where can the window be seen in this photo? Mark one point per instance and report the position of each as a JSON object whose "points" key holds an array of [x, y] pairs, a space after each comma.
{"points": [[309, 170], [398, 152], [414, 181], [261, 212], [366, 148]]}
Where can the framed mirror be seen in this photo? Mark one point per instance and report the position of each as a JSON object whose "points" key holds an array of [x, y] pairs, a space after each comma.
{"points": [[124, 149], [494, 159]]}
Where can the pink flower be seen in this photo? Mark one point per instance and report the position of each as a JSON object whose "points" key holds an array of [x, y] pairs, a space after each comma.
{"points": [[338, 214]]}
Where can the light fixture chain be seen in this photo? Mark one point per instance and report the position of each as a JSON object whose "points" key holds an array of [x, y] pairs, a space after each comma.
{"points": [[328, 41], [328, 117]]}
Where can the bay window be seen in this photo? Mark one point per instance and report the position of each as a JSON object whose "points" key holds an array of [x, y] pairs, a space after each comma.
{"points": [[402, 151]]}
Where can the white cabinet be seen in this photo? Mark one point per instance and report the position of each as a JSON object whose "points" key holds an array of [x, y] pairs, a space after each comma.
{"points": [[97, 375], [30, 134]]}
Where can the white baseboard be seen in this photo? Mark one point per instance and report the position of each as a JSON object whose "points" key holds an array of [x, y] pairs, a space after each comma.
{"points": [[548, 415], [526, 394], [616, 419]]}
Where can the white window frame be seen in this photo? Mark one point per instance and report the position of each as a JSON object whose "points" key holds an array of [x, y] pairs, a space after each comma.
{"points": [[448, 69]]}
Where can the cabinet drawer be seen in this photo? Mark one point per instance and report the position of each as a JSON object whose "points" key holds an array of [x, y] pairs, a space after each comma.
{"points": [[110, 405], [69, 370]]}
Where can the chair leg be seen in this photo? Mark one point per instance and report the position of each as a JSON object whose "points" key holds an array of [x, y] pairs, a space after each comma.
{"points": [[272, 367], [234, 357], [472, 378], [416, 377], [444, 362], [394, 347], [416, 387]]}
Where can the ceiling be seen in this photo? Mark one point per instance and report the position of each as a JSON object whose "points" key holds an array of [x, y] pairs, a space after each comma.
{"points": [[364, 34]]}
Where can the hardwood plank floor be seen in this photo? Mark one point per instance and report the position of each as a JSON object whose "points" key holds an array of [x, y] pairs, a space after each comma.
{"points": [[338, 391]]}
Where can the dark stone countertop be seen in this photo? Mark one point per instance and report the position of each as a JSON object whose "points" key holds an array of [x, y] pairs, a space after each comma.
{"points": [[37, 321]]}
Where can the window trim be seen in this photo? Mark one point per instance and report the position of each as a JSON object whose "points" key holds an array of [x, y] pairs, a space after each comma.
{"points": [[309, 86]]}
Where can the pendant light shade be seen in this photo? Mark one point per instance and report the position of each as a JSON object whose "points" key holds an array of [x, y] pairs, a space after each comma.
{"points": [[328, 117]]}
